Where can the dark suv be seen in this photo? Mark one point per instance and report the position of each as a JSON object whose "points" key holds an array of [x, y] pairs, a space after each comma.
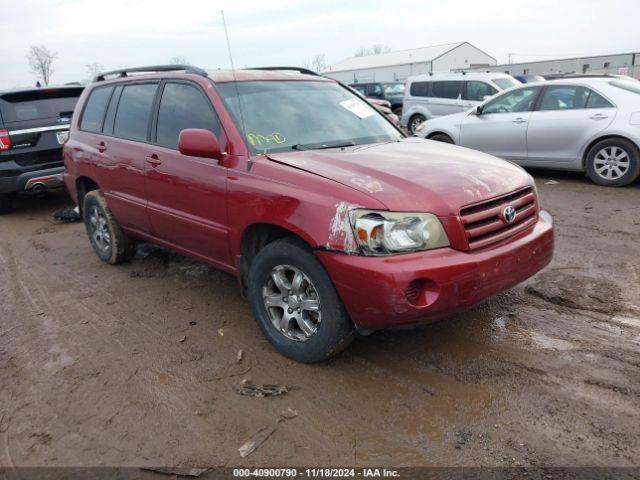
{"points": [[34, 123], [393, 92]]}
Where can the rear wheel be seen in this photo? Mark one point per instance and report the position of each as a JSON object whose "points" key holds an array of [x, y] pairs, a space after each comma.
{"points": [[613, 162], [441, 137], [6, 203], [414, 122], [106, 237], [295, 303]]}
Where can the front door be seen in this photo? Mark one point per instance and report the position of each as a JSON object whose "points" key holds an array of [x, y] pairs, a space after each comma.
{"points": [[501, 128], [187, 195]]}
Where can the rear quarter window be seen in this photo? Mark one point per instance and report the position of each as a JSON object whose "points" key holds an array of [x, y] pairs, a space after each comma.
{"points": [[95, 108], [39, 104]]}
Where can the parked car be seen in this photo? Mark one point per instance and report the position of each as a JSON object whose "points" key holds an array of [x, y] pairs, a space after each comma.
{"points": [[333, 222], [392, 92], [34, 123], [585, 124], [430, 96], [385, 107], [529, 78]]}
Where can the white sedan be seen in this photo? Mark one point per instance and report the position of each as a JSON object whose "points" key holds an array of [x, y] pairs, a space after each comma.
{"points": [[585, 123]]}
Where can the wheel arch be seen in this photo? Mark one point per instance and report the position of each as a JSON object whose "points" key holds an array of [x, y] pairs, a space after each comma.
{"points": [[612, 136], [257, 236], [439, 132], [84, 185]]}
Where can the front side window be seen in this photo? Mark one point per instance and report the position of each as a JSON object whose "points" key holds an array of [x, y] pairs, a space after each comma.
{"points": [[301, 114], [477, 91], [446, 89], [520, 100], [183, 106], [505, 83], [94, 111], [134, 111]]}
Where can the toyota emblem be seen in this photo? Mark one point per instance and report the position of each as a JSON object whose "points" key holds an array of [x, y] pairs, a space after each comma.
{"points": [[509, 214]]}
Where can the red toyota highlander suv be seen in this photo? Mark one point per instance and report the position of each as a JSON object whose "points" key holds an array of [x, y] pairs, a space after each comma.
{"points": [[331, 219]]}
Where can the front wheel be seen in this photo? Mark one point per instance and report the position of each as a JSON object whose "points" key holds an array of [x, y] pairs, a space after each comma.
{"points": [[295, 303], [613, 162], [441, 137], [415, 121]]}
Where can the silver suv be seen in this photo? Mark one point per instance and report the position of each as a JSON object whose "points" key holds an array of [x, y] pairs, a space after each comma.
{"points": [[429, 96]]}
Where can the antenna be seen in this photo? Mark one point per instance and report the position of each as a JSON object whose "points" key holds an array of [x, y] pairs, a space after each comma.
{"points": [[233, 73]]}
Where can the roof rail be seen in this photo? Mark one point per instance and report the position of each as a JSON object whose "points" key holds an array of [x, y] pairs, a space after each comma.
{"points": [[588, 75], [302, 70], [153, 69]]}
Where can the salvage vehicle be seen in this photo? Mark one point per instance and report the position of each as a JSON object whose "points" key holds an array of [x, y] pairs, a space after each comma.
{"points": [[430, 96], [34, 123], [334, 223], [584, 123]]}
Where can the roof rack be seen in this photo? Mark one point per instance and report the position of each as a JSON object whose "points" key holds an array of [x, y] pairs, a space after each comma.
{"points": [[588, 75], [153, 69], [304, 71]]}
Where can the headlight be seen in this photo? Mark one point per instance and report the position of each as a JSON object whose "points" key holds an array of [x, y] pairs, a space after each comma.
{"points": [[383, 233]]}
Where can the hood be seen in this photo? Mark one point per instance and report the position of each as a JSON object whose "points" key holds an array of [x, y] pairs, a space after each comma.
{"points": [[413, 174]]}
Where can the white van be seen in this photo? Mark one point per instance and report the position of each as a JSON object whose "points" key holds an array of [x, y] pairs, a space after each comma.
{"points": [[434, 95]]}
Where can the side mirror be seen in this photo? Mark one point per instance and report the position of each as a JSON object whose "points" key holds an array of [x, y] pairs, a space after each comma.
{"points": [[197, 142], [477, 110]]}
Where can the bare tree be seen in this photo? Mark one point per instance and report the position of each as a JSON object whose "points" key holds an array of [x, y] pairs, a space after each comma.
{"points": [[179, 60], [319, 63], [41, 62], [380, 48], [374, 50], [94, 69]]}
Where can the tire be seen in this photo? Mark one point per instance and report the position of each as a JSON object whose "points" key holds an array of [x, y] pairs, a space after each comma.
{"points": [[328, 331], [6, 203], [441, 137], [613, 162], [414, 121], [110, 243]]}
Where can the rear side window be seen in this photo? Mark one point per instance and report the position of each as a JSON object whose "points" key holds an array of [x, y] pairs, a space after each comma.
{"points": [[565, 97], [419, 89], [183, 106], [476, 91], [446, 89], [39, 104], [94, 111], [134, 111], [597, 101]]}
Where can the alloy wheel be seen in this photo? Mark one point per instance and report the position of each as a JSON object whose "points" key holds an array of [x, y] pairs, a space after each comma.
{"points": [[292, 302], [611, 163], [99, 230]]}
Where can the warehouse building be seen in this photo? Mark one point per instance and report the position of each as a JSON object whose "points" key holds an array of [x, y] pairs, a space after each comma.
{"points": [[621, 64], [398, 65]]}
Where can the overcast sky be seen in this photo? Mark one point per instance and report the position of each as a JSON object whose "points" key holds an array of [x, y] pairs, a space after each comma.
{"points": [[119, 33]]}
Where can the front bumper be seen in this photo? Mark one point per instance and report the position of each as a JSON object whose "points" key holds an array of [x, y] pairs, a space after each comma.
{"points": [[375, 289]]}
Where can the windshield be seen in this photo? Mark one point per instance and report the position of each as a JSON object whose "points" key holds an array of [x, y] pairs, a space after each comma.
{"points": [[286, 115], [393, 88], [505, 83]]}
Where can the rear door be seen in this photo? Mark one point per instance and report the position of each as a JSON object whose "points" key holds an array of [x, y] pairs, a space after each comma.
{"points": [[187, 195], [501, 129], [37, 123], [567, 118], [445, 97], [119, 148]]}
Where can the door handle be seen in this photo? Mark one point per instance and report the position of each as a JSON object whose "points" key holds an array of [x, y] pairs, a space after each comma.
{"points": [[598, 116], [101, 147], [519, 120], [153, 160]]}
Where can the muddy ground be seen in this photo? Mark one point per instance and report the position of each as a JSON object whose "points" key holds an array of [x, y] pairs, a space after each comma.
{"points": [[93, 370]]}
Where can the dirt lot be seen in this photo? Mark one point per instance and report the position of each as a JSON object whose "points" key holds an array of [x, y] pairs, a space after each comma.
{"points": [[93, 370]]}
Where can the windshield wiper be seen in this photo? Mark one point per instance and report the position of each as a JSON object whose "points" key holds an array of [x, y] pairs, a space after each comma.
{"points": [[338, 145], [298, 146]]}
